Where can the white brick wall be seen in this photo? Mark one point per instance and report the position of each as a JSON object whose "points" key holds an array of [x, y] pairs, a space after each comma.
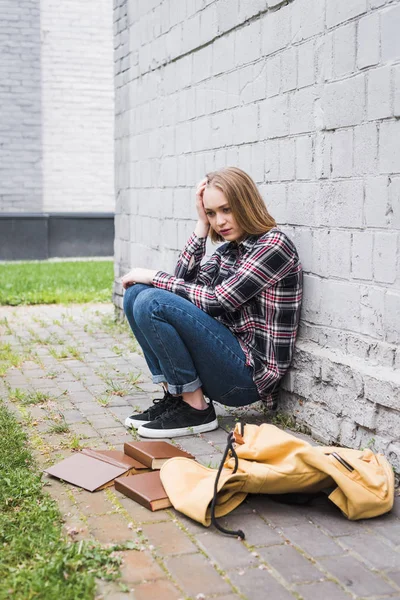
{"points": [[56, 106], [304, 96]]}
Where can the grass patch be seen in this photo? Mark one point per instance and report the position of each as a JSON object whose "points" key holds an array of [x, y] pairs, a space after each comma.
{"points": [[38, 282], [36, 560]]}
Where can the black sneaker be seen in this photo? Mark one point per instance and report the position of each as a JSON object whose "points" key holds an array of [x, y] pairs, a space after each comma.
{"points": [[160, 405], [180, 419]]}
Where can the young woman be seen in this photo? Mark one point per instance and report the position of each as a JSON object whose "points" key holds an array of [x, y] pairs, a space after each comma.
{"points": [[223, 330]]}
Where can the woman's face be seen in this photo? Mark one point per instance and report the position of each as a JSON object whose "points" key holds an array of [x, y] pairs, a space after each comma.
{"points": [[220, 215]]}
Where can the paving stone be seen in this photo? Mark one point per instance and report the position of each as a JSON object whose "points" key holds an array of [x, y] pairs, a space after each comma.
{"points": [[395, 576], [357, 578], [101, 421], [73, 416], [196, 445], [276, 513], [227, 552], [161, 589], [110, 528], [85, 431], [375, 551], [256, 530], [168, 539], [90, 407], [257, 584], [391, 532], [322, 589], [138, 566], [93, 503], [331, 520], [311, 539], [196, 575], [291, 565]]}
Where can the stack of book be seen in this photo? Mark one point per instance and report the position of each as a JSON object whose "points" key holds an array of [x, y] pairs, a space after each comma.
{"points": [[135, 472]]}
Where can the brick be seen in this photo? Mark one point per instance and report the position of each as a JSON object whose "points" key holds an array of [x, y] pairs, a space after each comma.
{"points": [[368, 41], [396, 85], [321, 589], [372, 311], [287, 159], [304, 157], [138, 566], [389, 150], [196, 576], [377, 553], [342, 152], [157, 589], [168, 538], [228, 553], [306, 64], [307, 19], [390, 24], [253, 583], [248, 43], [344, 45], [273, 75], [301, 203], [274, 117], [392, 315], [379, 93], [385, 257], [275, 31], [302, 110], [312, 540], [289, 69], [376, 201], [276, 513], [342, 10], [290, 563], [340, 203], [340, 305], [361, 257], [275, 199], [343, 102], [110, 528]]}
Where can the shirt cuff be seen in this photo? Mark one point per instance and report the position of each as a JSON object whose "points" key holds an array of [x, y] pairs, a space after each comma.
{"points": [[164, 281]]}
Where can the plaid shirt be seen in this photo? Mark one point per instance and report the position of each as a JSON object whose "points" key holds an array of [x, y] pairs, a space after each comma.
{"points": [[254, 288]]}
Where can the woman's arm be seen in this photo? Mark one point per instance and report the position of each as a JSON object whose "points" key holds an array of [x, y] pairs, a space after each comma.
{"points": [[269, 261]]}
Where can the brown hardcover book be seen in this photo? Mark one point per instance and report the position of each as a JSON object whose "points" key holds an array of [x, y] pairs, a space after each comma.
{"points": [[146, 489], [153, 454], [95, 469]]}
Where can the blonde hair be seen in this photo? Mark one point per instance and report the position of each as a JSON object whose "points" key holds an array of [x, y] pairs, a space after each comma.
{"points": [[244, 199]]}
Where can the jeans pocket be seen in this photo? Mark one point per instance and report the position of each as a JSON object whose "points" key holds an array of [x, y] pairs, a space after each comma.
{"points": [[240, 396]]}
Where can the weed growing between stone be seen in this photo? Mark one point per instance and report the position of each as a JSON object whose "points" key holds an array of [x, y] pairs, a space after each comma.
{"points": [[36, 560]]}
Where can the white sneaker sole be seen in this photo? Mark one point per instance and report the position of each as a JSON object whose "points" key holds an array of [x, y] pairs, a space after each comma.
{"points": [[181, 431], [134, 423]]}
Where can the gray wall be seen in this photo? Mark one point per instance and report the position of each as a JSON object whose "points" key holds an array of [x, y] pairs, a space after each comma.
{"points": [[20, 106], [56, 106], [304, 95]]}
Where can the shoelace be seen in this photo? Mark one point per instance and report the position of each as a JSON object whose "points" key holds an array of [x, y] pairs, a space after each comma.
{"points": [[173, 409], [229, 448]]}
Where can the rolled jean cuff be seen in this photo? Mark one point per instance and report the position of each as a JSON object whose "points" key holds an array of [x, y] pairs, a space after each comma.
{"points": [[158, 378], [185, 387]]}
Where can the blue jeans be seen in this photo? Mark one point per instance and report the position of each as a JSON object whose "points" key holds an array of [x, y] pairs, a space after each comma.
{"points": [[186, 348]]}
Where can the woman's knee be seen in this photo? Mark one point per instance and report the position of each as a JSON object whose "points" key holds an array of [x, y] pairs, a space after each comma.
{"points": [[131, 294], [144, 303]]}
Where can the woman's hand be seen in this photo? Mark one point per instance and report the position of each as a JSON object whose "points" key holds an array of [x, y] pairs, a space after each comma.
{"points": [[138, 275], [203, 226]]}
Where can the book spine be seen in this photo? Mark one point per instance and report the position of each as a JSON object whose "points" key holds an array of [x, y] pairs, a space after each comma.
{"points": [[120, 487], [138, 455]]}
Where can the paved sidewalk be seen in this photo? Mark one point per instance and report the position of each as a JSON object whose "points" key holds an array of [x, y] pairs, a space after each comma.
{"points": [[87, 375]]}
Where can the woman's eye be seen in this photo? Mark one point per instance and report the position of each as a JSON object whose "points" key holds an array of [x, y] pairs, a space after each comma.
{"points": [[227, 210], [209, 214]]}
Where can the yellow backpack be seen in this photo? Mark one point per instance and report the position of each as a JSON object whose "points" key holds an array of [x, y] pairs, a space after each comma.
{"points": [[266, 460]]}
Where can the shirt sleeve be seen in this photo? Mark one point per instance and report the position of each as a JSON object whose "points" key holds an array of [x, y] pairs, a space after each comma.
{"points": [[190, 258], [268, 262]]}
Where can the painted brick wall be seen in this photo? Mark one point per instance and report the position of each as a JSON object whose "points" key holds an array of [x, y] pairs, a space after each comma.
{"points": [[56, 106], [20, 106], [304, 95]]}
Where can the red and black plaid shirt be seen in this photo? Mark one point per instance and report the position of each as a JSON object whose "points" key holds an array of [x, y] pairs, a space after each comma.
{"points": [[255, 289]]}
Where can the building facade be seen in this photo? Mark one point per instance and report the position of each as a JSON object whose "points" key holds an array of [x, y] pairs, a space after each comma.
{"points": [[56, 124], [304, 95]]}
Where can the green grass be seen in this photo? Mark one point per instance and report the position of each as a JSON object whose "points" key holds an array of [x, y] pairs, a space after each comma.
{"points": [[36, 560], [55, 282]]}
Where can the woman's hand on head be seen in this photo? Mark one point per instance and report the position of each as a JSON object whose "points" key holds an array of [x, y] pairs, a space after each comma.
{"points": [[138, 275], [203, 226]]}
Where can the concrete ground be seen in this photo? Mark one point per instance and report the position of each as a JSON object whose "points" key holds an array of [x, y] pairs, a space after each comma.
{"points": [[86, 375]]}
